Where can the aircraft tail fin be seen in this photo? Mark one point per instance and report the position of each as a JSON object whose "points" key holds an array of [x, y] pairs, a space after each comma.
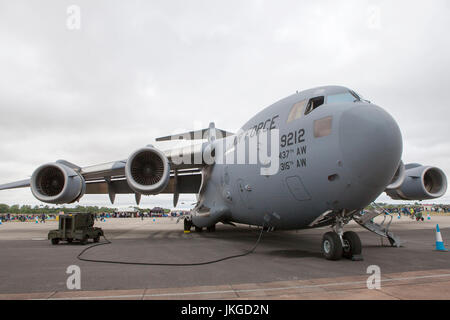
{"points": [[210, 134]]}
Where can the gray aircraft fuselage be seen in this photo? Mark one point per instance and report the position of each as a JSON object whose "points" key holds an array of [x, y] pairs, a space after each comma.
{"points": [[339, 156]]}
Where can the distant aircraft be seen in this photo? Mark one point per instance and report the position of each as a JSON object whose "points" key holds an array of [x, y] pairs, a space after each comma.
{"points": [[316, 158]]}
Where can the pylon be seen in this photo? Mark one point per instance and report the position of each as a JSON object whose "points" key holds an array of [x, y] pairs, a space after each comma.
{"points": [[439, 243]]}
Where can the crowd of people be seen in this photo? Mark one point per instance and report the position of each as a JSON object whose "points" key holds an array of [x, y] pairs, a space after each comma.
{"points": [[441, 208], [102, 216], [417, 212], [414, 212], [42, 218], [408, 210]]}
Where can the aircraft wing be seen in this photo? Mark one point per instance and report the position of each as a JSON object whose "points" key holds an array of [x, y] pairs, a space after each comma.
{"points": [[110, 178], [15, 185], [187, 181], [178, 168]]}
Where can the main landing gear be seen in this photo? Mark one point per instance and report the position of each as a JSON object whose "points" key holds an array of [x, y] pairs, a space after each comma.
{"points": [[337, 243], [188, 226], [209, 229]]}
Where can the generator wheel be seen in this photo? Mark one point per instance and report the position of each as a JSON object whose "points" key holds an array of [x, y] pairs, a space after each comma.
{"points": [[84, 240], [55, 241], [187, 224], [97, 238], [69, 240]]}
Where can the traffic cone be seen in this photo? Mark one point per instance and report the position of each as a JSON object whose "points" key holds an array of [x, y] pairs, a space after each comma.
{"points": [[399, 216], [439, 243], [428, 216], [1, 222]]}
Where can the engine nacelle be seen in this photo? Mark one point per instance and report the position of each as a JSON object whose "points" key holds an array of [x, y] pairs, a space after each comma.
{"points": [[56, 183], [421, 183], [147, 171], [399, 177]]}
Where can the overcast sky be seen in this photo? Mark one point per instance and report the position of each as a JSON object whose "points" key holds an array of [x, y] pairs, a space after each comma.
{"points": [[136, 70]]}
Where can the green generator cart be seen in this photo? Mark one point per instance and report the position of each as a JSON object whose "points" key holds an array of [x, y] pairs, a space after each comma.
{"points": [[76, 226]]}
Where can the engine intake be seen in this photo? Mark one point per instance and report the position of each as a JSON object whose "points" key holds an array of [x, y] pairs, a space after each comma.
{"points": [[56, 183], [421, 183], [147, 171]]}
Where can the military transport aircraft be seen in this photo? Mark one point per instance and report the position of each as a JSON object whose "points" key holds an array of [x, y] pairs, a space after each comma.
{"points": [[332, 153]]}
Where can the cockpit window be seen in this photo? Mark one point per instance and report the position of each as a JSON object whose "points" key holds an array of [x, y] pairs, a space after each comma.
{"points": [[342, 97], [360, 97], [345, 96], [314, 103], [296, 111]]}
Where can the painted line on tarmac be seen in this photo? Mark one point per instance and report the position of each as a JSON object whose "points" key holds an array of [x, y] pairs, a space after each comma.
{"points": [[249, 290]]}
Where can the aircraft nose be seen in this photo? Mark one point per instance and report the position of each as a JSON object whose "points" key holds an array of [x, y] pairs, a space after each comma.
{"points": [[371, 143]]}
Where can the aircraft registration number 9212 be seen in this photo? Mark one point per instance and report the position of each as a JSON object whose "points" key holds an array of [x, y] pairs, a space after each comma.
{"points": [[292, 138]]}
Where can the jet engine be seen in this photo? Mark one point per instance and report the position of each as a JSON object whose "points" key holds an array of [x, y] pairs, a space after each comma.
{"points": [[147, 171], [421, 183], [56, 183], [399, 177]]}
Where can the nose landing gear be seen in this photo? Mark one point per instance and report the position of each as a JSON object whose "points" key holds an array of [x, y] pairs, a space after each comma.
{"points": [[353, 247], [337, 243], [332, 246]]}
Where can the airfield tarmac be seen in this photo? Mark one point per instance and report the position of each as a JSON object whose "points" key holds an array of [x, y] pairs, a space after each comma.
{"points": [[285, 265]]}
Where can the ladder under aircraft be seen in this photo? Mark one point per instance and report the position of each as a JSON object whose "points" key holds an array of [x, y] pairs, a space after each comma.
{"points": [[365, 220]]}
